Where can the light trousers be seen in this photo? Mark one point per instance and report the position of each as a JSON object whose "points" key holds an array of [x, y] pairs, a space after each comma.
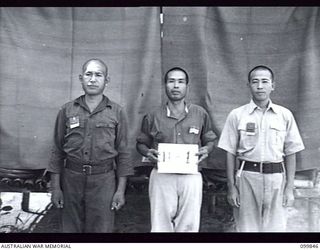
{"points": [[261, 197], [175, 202]]}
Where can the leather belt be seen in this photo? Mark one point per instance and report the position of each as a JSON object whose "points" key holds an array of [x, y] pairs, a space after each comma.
{"points": [[90, 169], [266, 168]]}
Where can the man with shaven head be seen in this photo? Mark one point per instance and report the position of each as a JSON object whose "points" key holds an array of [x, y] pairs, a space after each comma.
{"points": [[261, 140], [175, 198], [90, 159]]}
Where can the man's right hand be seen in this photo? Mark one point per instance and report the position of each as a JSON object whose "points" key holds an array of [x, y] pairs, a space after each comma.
{"points": [[57, 198], [153, 155], [233, 196]]}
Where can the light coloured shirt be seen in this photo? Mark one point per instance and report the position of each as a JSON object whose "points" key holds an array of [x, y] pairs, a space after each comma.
{"points": [[254, 135]]}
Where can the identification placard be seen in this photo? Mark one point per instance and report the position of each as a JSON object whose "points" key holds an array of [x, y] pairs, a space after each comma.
{"points": [[178, 158]]}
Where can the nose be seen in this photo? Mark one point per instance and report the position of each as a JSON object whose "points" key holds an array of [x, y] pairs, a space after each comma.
{"points": [[259, 86], [176, 84], [92, 79]]}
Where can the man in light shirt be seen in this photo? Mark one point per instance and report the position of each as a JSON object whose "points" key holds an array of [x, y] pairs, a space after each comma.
{"points": [[261, 140]]}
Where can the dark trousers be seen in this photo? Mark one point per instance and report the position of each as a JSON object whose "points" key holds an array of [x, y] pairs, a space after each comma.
{"points": [[87, 202]]}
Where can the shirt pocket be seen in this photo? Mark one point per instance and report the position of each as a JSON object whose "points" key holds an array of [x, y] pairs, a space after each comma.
{"points": [[74, 127], [105, 132], [191, 134], [277, 134], [74, 135], [247, 140]]}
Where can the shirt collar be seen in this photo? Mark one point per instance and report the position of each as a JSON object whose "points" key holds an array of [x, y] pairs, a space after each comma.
{"points": [[104, 103], [273, 107], [186, 109], [253, 106]]}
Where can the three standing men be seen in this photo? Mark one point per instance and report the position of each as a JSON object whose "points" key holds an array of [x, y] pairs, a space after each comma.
{"points": [[175, 199], [261, 140], [90, 159]]}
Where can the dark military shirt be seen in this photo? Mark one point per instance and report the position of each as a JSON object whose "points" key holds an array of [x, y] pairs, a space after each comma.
{"points": [[91, 137], [161, 127]]}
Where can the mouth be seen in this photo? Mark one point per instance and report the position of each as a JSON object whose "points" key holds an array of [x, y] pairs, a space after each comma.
{"points": [[175, 92]]}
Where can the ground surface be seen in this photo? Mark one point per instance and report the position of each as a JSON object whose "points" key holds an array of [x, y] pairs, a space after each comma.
{"points": [[135, 216]]}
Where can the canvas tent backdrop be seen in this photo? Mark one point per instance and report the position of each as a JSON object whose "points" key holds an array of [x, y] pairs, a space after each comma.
{"points": [[219, 46], [42, 51]]}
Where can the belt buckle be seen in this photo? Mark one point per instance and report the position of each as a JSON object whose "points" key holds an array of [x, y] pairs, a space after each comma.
{"points": [[87, 169], [261, 167]]}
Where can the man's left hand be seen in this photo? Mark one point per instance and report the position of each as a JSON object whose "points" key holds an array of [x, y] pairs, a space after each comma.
{"points": [[118, 201], [203, 153], [288, 197]]}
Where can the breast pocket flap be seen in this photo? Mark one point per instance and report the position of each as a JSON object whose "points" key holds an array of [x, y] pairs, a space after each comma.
{"points": [[105, 125], [277, 126]]}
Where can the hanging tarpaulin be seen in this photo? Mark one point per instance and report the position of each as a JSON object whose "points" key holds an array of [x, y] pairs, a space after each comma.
{"points": [[42, 51], [219, 45]]}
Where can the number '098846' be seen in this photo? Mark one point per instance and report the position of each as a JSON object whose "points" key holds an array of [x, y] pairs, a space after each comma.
{"points": [[308, 245]]}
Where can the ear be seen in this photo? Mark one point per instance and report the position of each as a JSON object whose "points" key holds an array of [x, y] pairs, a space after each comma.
{"points": [[188, 89], [273, 86], [80, 77], [107, 79]]}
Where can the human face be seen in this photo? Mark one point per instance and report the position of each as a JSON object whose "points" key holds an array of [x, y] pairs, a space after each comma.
{"points": [[94, 79], [176, 85], [261, 85]]}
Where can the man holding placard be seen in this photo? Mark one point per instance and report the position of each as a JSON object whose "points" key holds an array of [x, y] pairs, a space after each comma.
{"points": [[176, 136]]}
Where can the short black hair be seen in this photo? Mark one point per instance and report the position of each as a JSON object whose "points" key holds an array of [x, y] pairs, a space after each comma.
{"points": [[176, 69], [261, 67], [84, 66]]}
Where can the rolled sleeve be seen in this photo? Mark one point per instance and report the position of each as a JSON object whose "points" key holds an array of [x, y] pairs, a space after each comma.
{"points": [[207, 135], [229, 137], [144, 136]]}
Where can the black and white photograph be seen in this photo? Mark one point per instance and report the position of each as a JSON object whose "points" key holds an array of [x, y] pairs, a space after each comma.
{"points": [[146, 120]]}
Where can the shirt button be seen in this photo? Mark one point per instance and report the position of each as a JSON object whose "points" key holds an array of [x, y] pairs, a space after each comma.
{"points": [[85, 153], [179, 133]]}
